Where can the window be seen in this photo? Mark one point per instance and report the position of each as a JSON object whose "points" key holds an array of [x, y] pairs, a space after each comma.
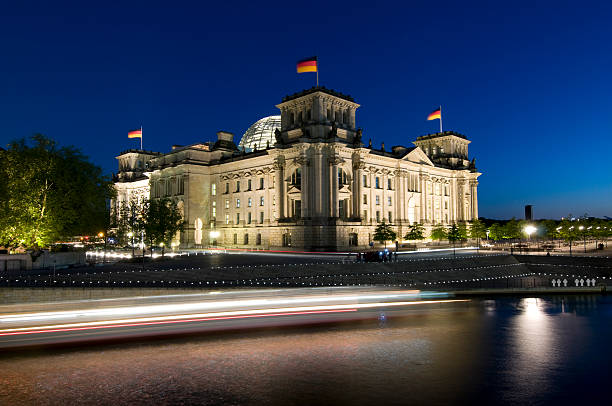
{"points": [[296, 177], [250, 202], [227, 219], [258, 239], [237, 218], [249, 218], [378, 200], [237, 203], [390, 218], [261, 217], [446, 205], [365, 180], [365, 199], [377, 182], [227, 203], [227, 188], [341, 177], [214, 210], [341, 208], [261, 201], [246, 239], [237, 186], [261, 183], [388, 200], [389, 181], [365, 215], [235, 238], [213, 189], [249, 184], [378, 216], [353, 239]]}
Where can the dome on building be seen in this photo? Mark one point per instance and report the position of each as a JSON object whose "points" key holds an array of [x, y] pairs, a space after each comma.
{"points": [[259, 134]]}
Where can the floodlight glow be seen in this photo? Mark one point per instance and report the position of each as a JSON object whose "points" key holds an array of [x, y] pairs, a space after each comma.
{"points": [[530, 230]]}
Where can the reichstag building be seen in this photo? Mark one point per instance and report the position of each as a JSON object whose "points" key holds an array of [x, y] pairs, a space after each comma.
{"points": [[304, 179]]}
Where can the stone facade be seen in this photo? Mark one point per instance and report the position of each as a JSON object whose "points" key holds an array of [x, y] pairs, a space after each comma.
{"points": [[316, 188]]}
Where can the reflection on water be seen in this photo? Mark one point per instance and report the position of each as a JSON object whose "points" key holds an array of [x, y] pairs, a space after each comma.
{"points": [[511, 350]]}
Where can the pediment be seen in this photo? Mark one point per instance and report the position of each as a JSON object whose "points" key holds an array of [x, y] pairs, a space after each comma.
{"points": [[418, 156]]}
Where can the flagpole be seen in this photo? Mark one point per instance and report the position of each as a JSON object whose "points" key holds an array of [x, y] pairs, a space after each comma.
{"points": [[141, 138], [317, 72], [440, 118]]}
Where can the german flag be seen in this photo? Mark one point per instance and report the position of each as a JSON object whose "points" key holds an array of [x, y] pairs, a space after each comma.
{"points": [[307, 65], [436, 114], [135, 133]]}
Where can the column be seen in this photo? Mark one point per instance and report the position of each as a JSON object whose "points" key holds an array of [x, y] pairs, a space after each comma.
{"points": [[279, 186], [474, 195], [423, 199], [304, 187], [334, 186]]}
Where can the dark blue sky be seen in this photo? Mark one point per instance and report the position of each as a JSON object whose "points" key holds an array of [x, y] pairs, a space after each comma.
{"points": [[529, 84]]}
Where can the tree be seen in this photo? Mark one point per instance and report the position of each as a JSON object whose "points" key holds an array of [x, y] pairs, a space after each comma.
{"points": [[415, 232], [439, 233], [550, 229], [48, 192], [569, 232], [163, 220], [512, 230], [462, 231], [453, 235], [478, 230], [384, 233], [496, 232]]}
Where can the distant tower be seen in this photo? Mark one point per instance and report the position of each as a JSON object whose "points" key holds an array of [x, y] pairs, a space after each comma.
{"points": [[528, 212]]}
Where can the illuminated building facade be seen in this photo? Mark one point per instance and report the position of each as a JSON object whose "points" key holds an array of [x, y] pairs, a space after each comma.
{"points": [[307, 181]]}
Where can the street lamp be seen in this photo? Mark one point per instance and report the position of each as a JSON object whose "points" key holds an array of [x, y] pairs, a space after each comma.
{"points": [[101, 235], [581, 228], [530, 229], [131, 236]]}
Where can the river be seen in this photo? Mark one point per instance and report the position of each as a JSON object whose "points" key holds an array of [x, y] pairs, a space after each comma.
{"points": [[511, 350]]}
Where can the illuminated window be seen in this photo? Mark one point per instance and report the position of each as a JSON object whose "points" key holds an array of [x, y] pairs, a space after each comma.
{"points": [[237, 203], [388, 200], [377, 200], [250, 202], [227, 219], [227, 204], [213, 189], [261, 201]]}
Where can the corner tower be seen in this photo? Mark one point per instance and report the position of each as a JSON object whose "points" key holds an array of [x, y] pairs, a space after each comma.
{"points": [[317, 113]]}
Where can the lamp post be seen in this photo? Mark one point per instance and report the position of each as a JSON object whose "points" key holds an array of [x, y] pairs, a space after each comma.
{"points": [[530, 229], [101, 235], [581, 228], [131, 236]]}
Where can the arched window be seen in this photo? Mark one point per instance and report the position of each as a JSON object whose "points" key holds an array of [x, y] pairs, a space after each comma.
{"points": [[341, 178]]}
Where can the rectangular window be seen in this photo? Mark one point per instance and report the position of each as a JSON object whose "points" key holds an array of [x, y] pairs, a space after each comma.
{"points": [[390, 218], [246, 239], [388, 200], [389, 181], [341, 208], [237, 186], [378, 200], [261, 201], [378, 216], [249, 218], [365, 199], [365, 180], [235, 238], [261, 217], [249, 184], [250, 202], [214, 212], [237, 203], [261, 183], [213, 189], [377, 182], [227, 219], [258, 240], [237, 218], [227, 203], [227, 188]]}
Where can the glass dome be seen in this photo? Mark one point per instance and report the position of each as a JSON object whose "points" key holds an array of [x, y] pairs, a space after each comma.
{"points": [[259, 134]]}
